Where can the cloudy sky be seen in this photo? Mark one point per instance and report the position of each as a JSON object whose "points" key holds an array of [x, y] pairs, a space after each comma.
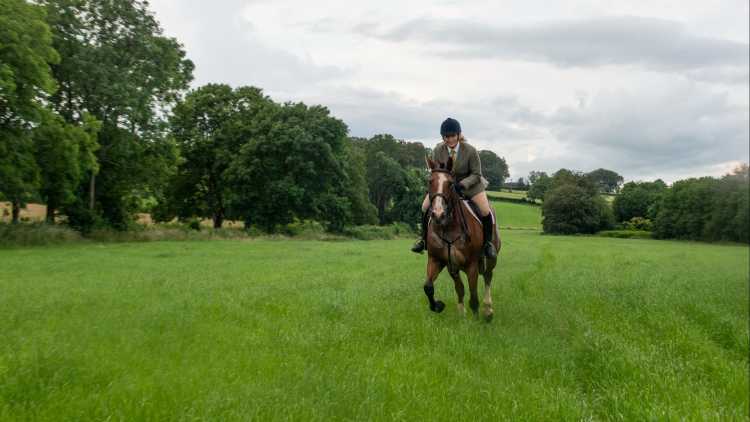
{"points": [[650, 89]]}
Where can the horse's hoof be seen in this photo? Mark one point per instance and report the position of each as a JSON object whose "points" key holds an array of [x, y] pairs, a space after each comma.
{"points": [[488, 316], [439, 306]]}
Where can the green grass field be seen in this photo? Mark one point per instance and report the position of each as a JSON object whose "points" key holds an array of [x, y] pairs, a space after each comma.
{"points": [[517, 194], [517, 216], [585, 328]]}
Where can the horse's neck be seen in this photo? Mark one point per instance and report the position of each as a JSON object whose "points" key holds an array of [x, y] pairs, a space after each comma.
{"points": [[457, 215]]}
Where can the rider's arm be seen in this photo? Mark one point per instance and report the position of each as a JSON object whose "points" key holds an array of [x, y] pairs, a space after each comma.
{"points": [[475, 169]]}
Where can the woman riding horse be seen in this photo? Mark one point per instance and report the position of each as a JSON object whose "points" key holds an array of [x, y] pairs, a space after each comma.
{"points": [[467, 170]]}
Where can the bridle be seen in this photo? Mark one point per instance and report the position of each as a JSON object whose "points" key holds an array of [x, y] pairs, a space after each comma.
{"points": [[463, 233]]}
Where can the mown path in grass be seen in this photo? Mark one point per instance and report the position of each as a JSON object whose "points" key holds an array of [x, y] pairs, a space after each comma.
{"points": [[585, 327]]}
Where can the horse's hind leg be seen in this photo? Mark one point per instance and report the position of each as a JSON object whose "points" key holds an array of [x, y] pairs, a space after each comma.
{"points": [[487, 301], [434, 267], [459, 292]]}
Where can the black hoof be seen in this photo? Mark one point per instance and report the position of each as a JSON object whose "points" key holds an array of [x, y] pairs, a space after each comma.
{"points": [[439, 306]]}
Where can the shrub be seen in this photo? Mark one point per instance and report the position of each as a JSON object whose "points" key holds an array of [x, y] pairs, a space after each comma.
{"points": [[638, 223], [36, 234], [370, 232], [569, 209], [636, 198], [303, 228], [194, 224], [626, 234]]}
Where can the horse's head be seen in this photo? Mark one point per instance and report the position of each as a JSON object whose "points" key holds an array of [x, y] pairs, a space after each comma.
{"points": [[442, 196]]}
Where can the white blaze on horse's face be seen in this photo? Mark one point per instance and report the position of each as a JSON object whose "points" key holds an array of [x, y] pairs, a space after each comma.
{"points": [[438, 203]]}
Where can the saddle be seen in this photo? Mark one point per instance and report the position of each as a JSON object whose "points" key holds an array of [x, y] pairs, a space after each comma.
{"points": [[474, 211]]}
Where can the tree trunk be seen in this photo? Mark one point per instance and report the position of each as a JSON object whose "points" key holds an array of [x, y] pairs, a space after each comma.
{"points": [[50, 218], [218, 219], [92, 191], [16, 211]]}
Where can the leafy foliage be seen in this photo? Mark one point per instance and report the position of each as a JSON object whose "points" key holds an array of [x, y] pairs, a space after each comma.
{"points": [[705, 209], [494, 169], [636, 198], [64, 153], [25, 80], [607, 181], [209, 127], [573, 205], [540, 184], [117, 66], [295, 170]]}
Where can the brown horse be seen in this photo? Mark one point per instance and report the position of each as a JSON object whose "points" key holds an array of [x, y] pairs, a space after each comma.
{"points": [[455, 240]]}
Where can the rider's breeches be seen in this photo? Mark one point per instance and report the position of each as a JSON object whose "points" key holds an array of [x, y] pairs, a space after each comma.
{"points": [[480, 200]]}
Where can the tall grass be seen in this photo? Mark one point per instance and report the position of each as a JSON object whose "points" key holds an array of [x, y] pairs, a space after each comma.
{"points": [[585, 328]]}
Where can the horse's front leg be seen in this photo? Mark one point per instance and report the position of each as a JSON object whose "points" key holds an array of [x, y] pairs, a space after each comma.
{"points": [[434, 266], [472, 273], [488, 311], [459, 292]]}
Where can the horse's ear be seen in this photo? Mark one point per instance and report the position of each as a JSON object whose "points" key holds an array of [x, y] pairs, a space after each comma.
{"points": [[429, 162], [449, 164]]}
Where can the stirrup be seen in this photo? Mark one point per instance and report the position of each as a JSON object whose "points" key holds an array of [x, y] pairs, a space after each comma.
{"points": [[418, 247]]}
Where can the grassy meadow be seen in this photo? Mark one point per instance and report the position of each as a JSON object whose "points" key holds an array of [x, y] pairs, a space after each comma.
{"points": [[585, 328], [517, 217]]}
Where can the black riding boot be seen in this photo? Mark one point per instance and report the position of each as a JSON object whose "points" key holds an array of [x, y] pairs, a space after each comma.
{"points": [[421, 243], [489, 248]]}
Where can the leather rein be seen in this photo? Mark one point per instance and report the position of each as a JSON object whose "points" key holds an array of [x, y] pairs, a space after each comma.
{"points": [[451, 203]]}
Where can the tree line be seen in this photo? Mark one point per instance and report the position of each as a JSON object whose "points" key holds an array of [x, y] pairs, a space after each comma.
{"points": [[96, 122], [706, 208]]}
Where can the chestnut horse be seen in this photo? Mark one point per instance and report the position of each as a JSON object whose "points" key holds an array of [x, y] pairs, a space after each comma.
{"points": [[455, 240]]}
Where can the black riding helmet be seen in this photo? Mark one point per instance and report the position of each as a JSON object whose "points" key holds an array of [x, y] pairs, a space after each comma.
{"points": [[450, 127]]}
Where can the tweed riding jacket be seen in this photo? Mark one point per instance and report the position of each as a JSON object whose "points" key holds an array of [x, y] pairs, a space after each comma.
{"points": [[467, 169]]}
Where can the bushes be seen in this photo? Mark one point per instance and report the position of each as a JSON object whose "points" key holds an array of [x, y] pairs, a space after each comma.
{"points": [[638, 223], [573, 205], [392, 231], [626, 234], [704, 209], [36, 234], [636, 198], [570, 209]]}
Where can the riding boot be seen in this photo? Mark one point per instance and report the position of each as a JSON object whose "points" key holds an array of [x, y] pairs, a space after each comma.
{"points": [[489, 248], [422, 242]]}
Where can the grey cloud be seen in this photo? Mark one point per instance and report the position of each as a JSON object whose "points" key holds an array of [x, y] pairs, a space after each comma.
{"points": [[369, 112], [677, 131], [226, 49], [654, 43]]}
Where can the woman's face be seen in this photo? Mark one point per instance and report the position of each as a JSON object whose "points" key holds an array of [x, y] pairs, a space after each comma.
{"points": [[451, 140]]}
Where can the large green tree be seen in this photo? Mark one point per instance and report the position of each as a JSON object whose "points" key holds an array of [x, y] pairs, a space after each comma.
{"points": [[494, 169], [118, 66], [209, 127], [635, 199], [357, 190], [573, 205], [295, 169], [64, 153], [386, 179], [540, 184], [25, 81], [607, 181]]}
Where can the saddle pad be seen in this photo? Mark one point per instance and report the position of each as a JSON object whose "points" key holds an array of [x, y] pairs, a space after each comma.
{"points": [[474, 213]]}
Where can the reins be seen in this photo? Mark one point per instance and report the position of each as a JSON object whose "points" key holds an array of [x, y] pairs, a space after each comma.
{"points": [[464, 229]]}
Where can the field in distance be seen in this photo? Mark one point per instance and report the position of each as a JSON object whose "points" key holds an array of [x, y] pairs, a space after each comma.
{"points": [[585, 328]]}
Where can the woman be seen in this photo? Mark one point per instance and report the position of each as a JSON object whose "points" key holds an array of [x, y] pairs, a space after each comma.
{"points": [[467, 171]]}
